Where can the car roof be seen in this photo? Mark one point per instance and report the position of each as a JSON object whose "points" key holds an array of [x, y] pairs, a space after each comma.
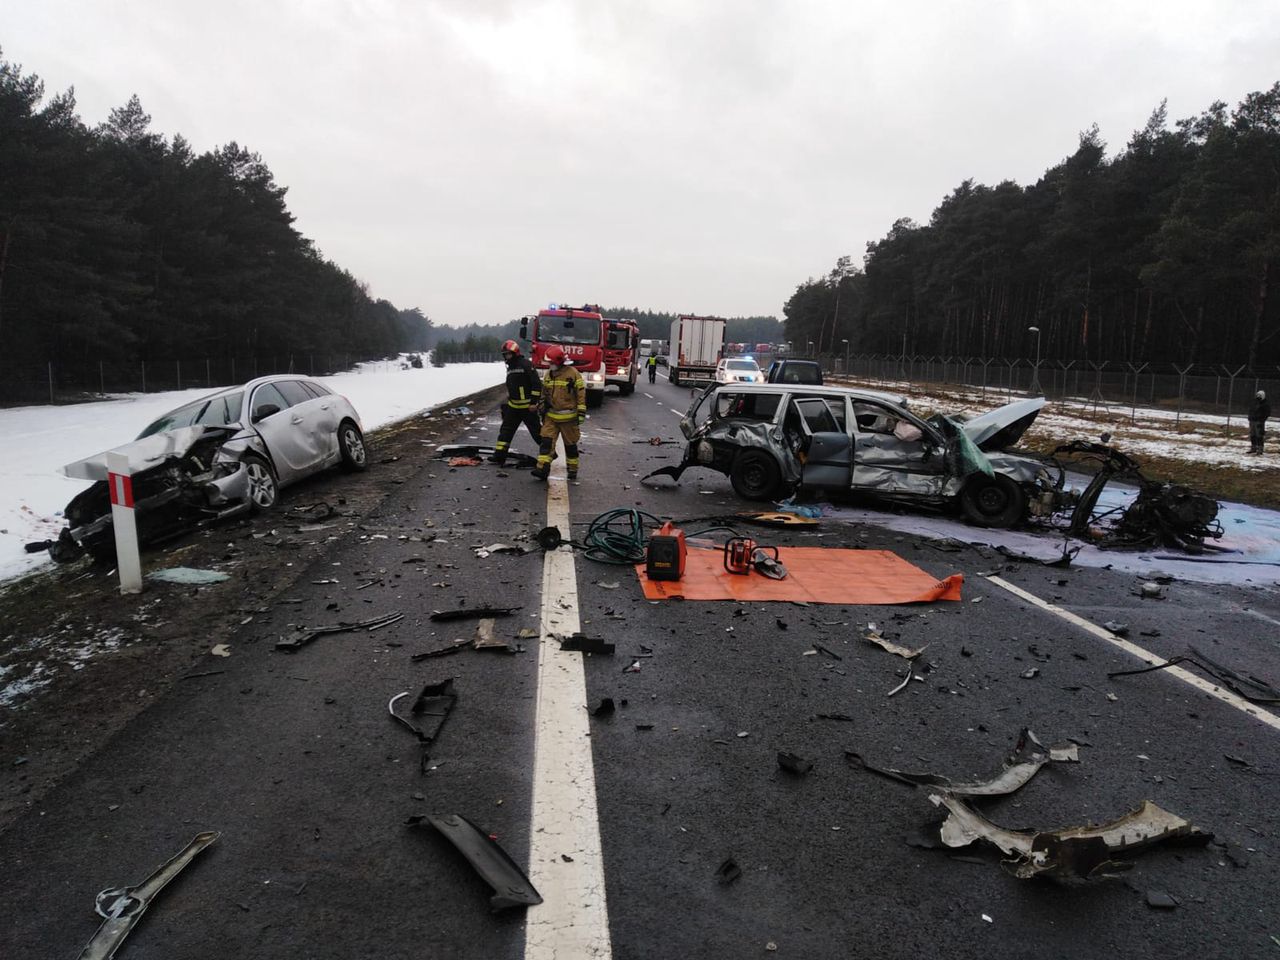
{"points": [[814, 389]]}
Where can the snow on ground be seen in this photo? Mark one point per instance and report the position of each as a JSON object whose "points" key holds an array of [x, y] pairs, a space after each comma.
{"points": [[38, 441]]}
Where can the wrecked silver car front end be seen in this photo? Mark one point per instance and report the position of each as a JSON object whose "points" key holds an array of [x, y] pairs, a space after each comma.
{"points": [[181, 479]]}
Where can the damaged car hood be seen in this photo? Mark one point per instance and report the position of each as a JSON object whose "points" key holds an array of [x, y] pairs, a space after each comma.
{"points": [[1003, 426], [146, 453]]}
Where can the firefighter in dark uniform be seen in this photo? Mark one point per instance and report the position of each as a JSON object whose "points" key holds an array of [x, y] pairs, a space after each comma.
{"points": [[524, 393], [564, 407]]}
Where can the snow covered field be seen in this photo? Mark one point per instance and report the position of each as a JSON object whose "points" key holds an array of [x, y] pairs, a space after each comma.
{"points": [[38, 441]]}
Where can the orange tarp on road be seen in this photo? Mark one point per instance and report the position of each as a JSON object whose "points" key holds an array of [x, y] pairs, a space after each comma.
{"points": [[814, 574]]}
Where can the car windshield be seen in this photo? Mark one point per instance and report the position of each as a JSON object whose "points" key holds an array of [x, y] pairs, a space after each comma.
{"points": [[742, 365], [568, 330], [619, 338], [211, 411]]}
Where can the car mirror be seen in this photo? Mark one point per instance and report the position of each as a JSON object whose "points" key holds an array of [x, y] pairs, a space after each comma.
{"points": [[264, 411]]}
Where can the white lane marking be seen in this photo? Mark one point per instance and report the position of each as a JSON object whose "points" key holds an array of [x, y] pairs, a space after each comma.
{"points": [[573, 919], [1186, 676], [678, 412], [649, 395]]}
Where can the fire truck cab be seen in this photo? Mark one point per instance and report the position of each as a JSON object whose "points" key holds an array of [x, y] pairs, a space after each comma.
{"points": [[581, 332], [622, 354]]}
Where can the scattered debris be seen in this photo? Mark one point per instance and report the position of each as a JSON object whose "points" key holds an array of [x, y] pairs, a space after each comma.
{"points": [[905, 681], [295, 643], [1161, 900], [434, 703], [442, 651], [793, 764], [1119, 629], [728, 871], [634, 668], [511, 888], [220, 650], [122, 907], [1030, 674], [1151, 591], [188, 576], [605, 709], [493, 548], [872, 635], [1251, 688], [580, 643], [471, 613]]}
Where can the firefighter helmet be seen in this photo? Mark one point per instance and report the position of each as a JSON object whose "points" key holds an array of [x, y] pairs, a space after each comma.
{"points": [[555, 355], [511, 347]]}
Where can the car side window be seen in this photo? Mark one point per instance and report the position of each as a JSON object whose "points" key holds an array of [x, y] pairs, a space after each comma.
{"points": [[817, 415], [315, 389], [873, 418], [215, 414], [747, 406], [294, 392], [268, 394]]}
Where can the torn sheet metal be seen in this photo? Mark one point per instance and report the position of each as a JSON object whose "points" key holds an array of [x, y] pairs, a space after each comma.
{"points": [[122, 907], [432, 708], [1028, 756], [511, 888], [1075, 853], [581, 643], [872, 635], [373, 623]]}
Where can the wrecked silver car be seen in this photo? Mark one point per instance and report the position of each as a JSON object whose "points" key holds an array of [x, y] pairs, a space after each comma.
{"points": [[223, 455], [772, 439]]}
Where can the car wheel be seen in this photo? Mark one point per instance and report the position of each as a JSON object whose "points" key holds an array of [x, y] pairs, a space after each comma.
{"points": [[595, 398], [627, 389], [755, 475], [993, 501], [673, 376], [355, 455], [263, 489]]}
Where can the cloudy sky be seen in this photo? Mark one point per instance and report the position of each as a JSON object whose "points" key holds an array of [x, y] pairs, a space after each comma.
{"points": [[479, 158]]}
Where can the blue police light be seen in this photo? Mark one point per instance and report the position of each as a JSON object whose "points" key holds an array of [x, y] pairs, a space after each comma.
{"points": [[553, 306]]}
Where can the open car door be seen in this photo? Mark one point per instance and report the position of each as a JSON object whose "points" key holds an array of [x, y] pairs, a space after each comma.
{"points": [[894, 452], [815, 428]]}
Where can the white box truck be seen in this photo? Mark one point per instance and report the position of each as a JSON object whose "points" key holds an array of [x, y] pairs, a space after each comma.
{"points": [[697, 343]]}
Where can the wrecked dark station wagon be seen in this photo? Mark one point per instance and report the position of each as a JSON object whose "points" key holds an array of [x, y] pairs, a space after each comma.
{"points": [[771, 439]]}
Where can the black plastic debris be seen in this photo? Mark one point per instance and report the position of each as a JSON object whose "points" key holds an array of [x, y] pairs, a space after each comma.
{"points": [[605, 709], [296, 643], [471, 613], [1119, 629], [580, 643], [511, 888], [448, 451], [441, 651], [793, 764], [1062, 562], [728, 871], [1161, 900], [431, 709], [1252, 689], [836, 716]]}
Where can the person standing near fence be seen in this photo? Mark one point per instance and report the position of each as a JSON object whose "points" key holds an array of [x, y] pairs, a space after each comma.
{"points": [[1259, 410]]}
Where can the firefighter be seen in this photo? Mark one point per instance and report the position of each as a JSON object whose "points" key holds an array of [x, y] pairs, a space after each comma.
{"points": [[652, 364], [524, 393], [564, 407]]}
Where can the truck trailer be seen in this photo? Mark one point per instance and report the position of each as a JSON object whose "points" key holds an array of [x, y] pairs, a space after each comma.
{"points": [[697, 344]]}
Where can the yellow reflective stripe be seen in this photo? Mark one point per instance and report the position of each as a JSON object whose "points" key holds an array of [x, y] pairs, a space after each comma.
{"points": [[518, 405], [559, 415]]}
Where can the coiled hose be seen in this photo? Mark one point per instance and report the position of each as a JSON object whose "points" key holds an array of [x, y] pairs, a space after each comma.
{"points": [[618, 536]]}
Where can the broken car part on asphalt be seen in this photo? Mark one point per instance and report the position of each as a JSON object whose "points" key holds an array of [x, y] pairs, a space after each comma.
{"points": [[300, 641], [873, 635], [122, 907], [511, 888], [580, 643], [1075, 853], [434, 704], [471, 613], [1251, 688], [477, 453]]}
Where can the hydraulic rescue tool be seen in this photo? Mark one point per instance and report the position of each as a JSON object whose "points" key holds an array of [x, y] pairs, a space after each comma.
{"points": [[665, 557]]}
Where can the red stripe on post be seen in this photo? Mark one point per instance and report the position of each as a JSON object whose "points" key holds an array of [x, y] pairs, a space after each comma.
{"points": [[121, 488]]}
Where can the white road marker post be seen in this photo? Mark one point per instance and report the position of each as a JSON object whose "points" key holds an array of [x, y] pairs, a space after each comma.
{"points": [[123, 523]]}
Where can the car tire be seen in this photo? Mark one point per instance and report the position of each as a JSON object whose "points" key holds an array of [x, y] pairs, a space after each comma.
{"points": [[755, 475], [674, 376], [626, 389], [351, 446], [595, 398], [993, 501], [264, 490]]}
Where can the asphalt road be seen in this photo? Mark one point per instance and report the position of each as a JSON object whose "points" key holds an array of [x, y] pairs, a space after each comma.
{"points": [[292, 756]]}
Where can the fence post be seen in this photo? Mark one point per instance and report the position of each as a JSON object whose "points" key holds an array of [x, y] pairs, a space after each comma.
{"points": [[51, 381], [1182, 389], [1133, 408], [1231, 389], [102, 381], [233, 368], [178, 366], [208, 376], [144, 376], [986, 362]]}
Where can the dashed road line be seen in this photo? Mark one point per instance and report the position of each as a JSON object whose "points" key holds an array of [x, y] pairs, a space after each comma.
{"points": [[573, 919], [1186, 676], [649, 395]]}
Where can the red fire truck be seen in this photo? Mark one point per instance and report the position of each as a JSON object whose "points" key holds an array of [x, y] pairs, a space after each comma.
{"points": [[581, 332], [622, 354]]}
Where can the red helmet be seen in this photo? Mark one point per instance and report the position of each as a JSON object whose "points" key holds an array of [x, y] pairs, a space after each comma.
{"points": [[555, 355], [511, 347]]}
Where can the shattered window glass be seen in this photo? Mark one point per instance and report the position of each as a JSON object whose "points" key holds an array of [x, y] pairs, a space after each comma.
{"points": [[873, 418], [182, 417], [747, 406]]}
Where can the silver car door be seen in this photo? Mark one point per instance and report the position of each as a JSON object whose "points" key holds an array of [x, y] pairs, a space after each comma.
{"points": [[827, 444], [291, 446], [309, 414], [327, 419], [894, 452]]}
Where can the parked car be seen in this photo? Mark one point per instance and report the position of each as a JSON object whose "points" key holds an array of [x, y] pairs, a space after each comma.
{"points": [[222, 455], [772, 439], [795, 371], [738, 370]]}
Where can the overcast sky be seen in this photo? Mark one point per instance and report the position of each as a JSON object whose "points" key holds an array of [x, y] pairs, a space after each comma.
{"points": [[480, 158]]}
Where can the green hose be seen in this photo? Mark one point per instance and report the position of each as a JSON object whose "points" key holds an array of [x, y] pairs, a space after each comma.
{"points": [[618, 536]]}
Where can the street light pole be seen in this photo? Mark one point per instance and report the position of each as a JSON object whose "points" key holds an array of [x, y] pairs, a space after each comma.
{"points": [[1036, 389]]}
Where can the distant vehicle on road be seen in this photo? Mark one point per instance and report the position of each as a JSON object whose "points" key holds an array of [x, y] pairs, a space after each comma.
{"points": [[580, 331], [621, 355], [697, 344], [220, 456], [795, 371], [738, 370]]}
